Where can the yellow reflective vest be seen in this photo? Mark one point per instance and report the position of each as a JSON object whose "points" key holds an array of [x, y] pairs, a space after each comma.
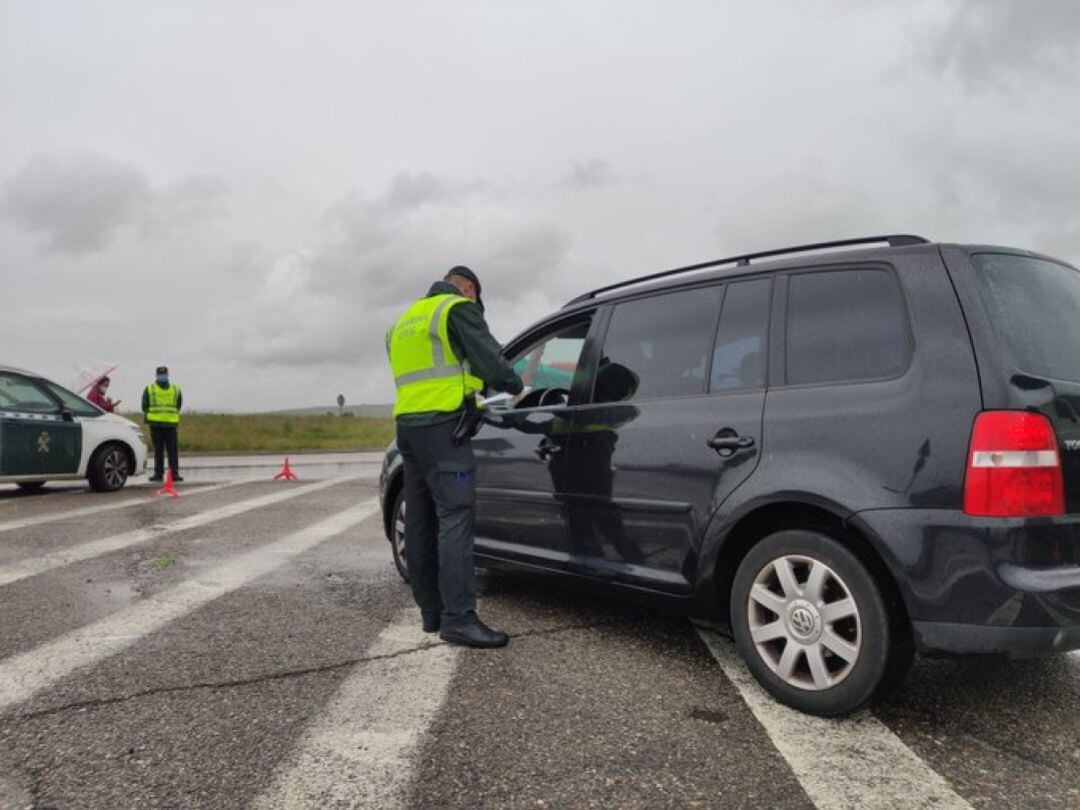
{"points": [[163, 404], [428, 375]]}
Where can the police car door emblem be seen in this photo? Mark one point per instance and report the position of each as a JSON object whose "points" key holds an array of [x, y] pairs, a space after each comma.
{"points": [[43, 442]]}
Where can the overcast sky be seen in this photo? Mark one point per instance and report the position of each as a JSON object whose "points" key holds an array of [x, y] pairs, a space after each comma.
{"points": [[252, 191]]}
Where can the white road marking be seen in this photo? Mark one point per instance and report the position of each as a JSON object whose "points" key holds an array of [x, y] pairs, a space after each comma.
{"points": [[856, 762], [33, 566], [358, 752], [24, 675], [86, 511]]}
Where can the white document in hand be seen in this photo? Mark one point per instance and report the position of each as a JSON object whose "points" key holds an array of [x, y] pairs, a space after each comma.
{"points": [[499, 399]]}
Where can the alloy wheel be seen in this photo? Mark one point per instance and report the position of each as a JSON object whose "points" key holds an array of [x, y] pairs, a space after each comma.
{"points": [[804, 622], [399, 535], [114, 468]]}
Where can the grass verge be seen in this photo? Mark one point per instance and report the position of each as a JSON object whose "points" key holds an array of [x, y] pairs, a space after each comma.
{"points": [[254, 433]]}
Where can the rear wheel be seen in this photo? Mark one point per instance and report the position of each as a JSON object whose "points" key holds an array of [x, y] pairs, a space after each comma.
{"points": [[109, 468], [813, 626], [31, 486], [397, 535]]}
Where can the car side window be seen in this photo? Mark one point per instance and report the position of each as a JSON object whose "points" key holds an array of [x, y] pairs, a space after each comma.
{"points": [[553, 361], [658, 346], [77, 405], [20, 394], [740, 354], [845, 325]]}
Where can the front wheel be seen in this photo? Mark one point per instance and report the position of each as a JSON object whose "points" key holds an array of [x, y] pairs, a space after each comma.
{"points": [[812, 625], [397, 535], [108, 469]]}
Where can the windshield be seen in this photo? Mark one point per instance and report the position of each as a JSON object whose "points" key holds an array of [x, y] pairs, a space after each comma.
{"points": [[1036, 304]]}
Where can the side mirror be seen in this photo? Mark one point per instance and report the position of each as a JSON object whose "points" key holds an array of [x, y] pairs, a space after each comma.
{"points": [[65, 414]]}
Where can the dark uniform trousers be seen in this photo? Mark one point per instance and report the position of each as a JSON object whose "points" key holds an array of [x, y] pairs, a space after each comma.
{"points": [[163, 437], [440, 493]]}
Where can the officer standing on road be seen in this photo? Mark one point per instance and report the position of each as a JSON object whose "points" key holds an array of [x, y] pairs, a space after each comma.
{"points": [[441, 353], [161, 402]]}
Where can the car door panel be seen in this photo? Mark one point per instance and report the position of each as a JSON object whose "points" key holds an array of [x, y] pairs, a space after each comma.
{"points": [[35, 440], [519, 491]]}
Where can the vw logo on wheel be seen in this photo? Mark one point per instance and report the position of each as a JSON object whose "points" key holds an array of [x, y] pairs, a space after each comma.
{"points": [[802, 621]]}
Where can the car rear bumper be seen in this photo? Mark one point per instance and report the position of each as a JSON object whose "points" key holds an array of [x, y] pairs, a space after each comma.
{"points": [[981, 639], [983, 585]]}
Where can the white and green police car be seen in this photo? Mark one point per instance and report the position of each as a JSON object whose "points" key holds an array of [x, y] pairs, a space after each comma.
{"points": [[47, 433]]}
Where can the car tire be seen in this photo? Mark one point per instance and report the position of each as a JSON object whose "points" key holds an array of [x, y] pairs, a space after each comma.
{"points": [[397, 534], [813, 625], [30, 486], [109, 468]]}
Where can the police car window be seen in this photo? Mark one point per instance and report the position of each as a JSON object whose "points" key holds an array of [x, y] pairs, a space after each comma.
{"points": [[553, 361], [845, 325], [740, 353], [77, 405], [20, 394], [658, 346]]}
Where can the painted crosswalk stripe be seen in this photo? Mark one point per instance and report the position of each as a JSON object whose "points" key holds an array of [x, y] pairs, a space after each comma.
{"points": [[33, 566], [358, 752], [87, 511], [24, 675], [854, 762]]}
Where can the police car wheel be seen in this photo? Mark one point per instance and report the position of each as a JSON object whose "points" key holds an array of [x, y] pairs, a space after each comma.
{"points": [[108, 470], [397, 535], [813, 626]]}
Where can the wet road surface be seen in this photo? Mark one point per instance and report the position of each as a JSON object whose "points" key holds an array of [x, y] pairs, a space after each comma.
{"points": [[250, 644]]}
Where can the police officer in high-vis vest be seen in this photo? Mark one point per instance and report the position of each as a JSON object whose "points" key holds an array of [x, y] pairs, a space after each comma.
{"points": [[442, 352], [161, 402]]}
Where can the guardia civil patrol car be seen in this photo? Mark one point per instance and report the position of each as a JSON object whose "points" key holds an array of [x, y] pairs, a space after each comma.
{"points": [[48, 433]]}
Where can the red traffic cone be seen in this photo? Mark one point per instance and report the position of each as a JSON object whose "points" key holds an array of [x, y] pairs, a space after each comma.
{"points": [[169, 488], [286, 472]]}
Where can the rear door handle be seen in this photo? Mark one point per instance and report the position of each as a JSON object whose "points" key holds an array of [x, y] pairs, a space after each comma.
{"points": [[727, 442]]}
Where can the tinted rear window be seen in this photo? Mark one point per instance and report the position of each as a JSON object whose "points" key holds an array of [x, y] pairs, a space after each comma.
{"points": [[845, 325], [1036, 304]]}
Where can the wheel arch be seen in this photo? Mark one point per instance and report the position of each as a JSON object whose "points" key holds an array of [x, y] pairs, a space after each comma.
{"points": [[761, 519]]}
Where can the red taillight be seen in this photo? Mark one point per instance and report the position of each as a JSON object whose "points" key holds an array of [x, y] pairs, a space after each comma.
{"points": [[1013, 467]]}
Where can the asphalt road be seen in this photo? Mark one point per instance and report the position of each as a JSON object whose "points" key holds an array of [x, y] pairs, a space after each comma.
{"points": [[250, 644]]}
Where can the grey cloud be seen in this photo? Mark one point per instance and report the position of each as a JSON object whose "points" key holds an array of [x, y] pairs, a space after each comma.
{"points": [[799, 207], [1021, 188], [76, 202], [183, 206], [996, 44], [382, 252], [592, 173]]}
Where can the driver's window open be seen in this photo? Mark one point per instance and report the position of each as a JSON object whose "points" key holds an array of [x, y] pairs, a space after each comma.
{"points": [[549, 365]]}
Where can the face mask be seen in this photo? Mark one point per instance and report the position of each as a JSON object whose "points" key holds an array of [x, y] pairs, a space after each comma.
{"points": [[163, 379]]}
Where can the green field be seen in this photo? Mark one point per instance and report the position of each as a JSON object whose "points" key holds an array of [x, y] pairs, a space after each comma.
{"points": [[255, 433]]}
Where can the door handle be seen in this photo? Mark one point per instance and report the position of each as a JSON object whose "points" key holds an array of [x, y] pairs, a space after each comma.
{"points": [[727, 442], [545, 450]]}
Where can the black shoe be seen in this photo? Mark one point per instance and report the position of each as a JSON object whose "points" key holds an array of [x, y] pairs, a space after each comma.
{"points": [[156, 479], [431, 624], [472, 632], [177, 478]]}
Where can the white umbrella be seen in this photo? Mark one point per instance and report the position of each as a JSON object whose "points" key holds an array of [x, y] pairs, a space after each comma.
{"points": [[84, 377]]}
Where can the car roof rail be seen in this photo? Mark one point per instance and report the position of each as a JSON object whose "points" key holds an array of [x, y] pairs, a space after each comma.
{"points": [[743, 260]]}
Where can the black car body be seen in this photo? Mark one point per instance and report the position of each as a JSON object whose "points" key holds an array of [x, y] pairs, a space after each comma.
{"points": [[815, 400]]}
